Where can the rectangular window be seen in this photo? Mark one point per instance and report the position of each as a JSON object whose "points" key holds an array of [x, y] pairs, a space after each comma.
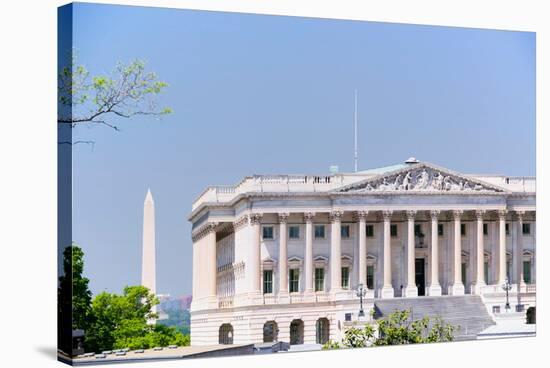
{"points": [[294, 232], [319, 279], [485, 229], [526, 229], [370, 277], [463, 269], [268, 281], [440, 229], [527, 272], [393, 230], [345, 277], [507, 229], [486, 272], [344, 231], [267, 232], [319, 231], [509, 270], [370, 231], [293, 280], [417, 229], [463, 229]]}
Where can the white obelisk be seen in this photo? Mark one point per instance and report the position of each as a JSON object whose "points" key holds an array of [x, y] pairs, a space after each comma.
{"points": [[148, 268]]}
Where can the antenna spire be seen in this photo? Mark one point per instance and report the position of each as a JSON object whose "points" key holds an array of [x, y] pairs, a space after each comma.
{"points": [[355, 137]]}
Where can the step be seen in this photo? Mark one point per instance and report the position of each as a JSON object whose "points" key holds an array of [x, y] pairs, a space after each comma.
{"points": [[466, 311]]}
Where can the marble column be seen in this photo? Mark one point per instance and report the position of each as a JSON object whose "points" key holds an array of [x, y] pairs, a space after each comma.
{"points": [[308, 219], [255, 254], [387, 288], [457, 288], [519, 249], [211, 261], [283, 255], [501, 247], [434, 288], [362, 233], [410, 289], [335, 251], [480, 255]]}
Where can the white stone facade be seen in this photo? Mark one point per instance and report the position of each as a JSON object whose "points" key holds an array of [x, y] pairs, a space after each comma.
{"points": [[406, 230]]}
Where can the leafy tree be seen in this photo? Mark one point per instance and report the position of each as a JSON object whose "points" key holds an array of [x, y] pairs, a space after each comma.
{"points": [[74, 296], [122, 321], [128, 91], [118, 317], [396, 329]]}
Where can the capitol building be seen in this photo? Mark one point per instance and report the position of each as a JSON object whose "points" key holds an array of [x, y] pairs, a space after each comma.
{"points": [[281, 257]]}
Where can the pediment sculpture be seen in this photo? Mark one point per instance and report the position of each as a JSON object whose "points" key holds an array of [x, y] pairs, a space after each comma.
{"points": [[422, 179]]}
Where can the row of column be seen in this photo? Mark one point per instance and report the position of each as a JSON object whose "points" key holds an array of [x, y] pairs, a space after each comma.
{"points": [[456, 287]]}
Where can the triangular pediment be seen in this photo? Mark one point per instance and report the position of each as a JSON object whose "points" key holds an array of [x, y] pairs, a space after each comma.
{"points": [[421, 177]]}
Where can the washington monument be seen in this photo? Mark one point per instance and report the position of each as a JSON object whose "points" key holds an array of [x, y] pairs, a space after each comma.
{"points": [[148, 269]]}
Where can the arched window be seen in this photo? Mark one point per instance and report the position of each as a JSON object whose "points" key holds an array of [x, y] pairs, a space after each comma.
{"points": [[531, 315], [296, 332], [322, 330], [270, 331], [226, 334]]}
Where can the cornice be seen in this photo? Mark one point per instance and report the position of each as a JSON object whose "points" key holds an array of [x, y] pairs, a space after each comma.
{"points": [[204, 230]]}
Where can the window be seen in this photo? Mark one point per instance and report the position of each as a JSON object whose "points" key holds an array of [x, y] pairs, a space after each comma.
{"points": [[463, 269], [370, 231], [417, 229], [440, 229], [463, 229], [345, 277], [267, 232], [319, 279], [347, 317], [319, 231], [486, 272], [370, 277], [294, 232], [293, 280], [344, 231], [507, 229], [268, 281], [393, 230], [509, 271], [526, 229], [485, 229], [527, 272]]}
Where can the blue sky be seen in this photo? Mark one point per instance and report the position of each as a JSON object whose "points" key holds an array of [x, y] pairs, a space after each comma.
{"points": [[256, 94]]}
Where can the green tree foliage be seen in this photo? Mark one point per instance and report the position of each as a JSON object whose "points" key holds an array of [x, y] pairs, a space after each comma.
{"points": [[396, 329], [110, 321], [128, 91], [74, 297], [122, 321], [73, 286]]}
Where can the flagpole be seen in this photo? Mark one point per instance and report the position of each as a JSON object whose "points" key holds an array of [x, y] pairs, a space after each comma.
{"points": [[355, 120]]}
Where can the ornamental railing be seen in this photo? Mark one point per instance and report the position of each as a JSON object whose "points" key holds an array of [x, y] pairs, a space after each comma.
{"points": [[225, 302]]}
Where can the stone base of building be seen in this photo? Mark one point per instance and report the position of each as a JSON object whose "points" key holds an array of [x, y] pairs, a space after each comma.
{"points": [[410, 291], [456, 289], [386, 292], [478, 288], [433, 290], [283, 297], [247, 324]]}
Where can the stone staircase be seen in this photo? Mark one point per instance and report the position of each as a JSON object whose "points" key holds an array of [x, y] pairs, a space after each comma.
{"points": [[467, 311]]}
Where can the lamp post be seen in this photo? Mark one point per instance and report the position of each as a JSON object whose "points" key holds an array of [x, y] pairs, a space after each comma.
{"points": [[361, 292], [507, 287]]}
